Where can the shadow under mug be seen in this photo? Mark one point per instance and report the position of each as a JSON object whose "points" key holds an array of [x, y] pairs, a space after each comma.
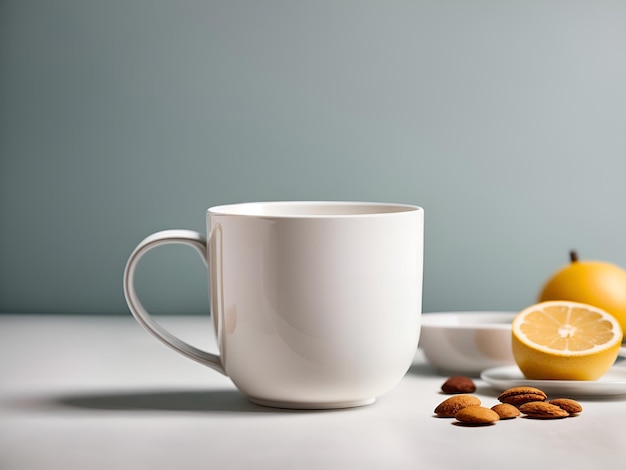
{"points": [[315, 304]]}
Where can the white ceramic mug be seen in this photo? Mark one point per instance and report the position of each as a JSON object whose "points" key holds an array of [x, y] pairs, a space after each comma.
{"points": [[315, 304]]}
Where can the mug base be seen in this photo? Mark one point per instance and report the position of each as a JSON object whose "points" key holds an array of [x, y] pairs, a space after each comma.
{"points": [[312, 405]]}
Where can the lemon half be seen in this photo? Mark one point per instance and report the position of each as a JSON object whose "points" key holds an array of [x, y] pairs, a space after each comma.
{"points": [[565, 340]]}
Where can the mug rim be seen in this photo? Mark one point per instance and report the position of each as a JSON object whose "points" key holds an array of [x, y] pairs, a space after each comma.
{"points": [[312, 209]]}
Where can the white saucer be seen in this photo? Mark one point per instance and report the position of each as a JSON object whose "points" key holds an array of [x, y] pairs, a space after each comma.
{"points": [[613, 383]]}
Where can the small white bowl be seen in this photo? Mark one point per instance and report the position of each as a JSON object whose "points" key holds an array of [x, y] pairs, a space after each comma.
{"points": [[466, 343]]}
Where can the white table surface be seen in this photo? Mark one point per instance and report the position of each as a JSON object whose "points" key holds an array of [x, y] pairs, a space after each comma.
{"points": [[90, 392]]}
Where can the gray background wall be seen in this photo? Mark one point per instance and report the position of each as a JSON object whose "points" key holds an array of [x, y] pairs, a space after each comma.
{"points": [[505, 120]]}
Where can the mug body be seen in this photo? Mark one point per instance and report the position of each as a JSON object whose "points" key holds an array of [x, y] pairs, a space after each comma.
{"points": [[316, 304]]}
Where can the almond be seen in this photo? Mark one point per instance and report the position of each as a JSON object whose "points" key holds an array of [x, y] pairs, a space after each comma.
{"points": [[458, 384], [506, 410], [542, 410], [477, 415], [567, 404], [451, 406], [517, 396]]}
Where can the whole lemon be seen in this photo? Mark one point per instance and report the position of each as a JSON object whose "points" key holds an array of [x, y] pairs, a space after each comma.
{"points": [[596, 283]]}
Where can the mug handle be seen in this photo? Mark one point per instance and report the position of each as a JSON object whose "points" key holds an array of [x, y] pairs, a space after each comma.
{"points": [[180, 237]]}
